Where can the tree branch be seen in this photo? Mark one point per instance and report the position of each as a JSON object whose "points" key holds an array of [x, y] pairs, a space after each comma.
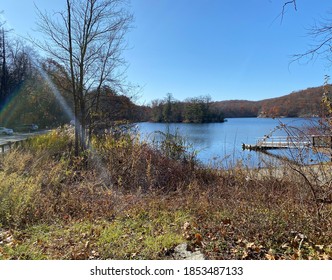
{"points": [[284, 8]]}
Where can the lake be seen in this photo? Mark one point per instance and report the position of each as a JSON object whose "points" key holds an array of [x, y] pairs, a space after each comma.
{"points": [[221, 143]]}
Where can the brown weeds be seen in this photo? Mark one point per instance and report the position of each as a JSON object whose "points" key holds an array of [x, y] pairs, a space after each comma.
{"points": [[233, 214]]}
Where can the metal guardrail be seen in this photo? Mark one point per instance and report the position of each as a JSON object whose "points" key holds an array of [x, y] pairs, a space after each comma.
{"points": [[8, 145]]}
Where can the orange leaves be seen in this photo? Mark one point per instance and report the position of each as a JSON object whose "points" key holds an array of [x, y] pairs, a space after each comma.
{"points": [[190, 233], [198, 240]]}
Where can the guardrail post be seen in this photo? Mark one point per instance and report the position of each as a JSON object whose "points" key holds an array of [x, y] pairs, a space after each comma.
{"points": [[330, 148]]}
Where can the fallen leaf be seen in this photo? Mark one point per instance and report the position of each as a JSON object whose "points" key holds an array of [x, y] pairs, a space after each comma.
{"points": [[186, 226], [250, 245], [325, 257], [198, 239], [269, 257], [226, 221]]}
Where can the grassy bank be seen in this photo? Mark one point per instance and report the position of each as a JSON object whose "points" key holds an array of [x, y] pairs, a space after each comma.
{"points": [[128, 200]]}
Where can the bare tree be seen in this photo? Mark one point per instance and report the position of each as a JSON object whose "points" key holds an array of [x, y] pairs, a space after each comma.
{"points": [[284, 7], [321, 35], [14, 64], [289, 3], [87, 40], [4, 68]]}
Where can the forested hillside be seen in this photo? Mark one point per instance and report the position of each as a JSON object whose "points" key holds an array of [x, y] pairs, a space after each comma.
{"points": [[303, 103]]}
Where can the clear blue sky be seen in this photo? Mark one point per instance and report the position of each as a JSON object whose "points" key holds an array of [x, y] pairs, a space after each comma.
{"points": [[225, 48]]}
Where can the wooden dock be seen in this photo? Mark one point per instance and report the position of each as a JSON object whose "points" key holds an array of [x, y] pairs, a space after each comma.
{"points": [[289, 142]]}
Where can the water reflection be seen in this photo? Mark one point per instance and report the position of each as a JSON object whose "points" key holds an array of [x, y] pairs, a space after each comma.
{"points": [[221, 143]]}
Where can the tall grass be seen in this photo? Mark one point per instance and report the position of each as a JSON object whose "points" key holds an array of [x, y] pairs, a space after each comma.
{"points": [[61, 207]]}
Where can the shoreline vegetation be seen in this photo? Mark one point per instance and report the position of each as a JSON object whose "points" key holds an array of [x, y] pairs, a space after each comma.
{"points": [[127, 199], [192, 110], [96, 191], [303, 103]]}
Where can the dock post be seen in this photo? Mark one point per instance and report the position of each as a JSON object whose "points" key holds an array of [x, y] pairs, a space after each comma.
{"points": [[313, 141], [331, 148]]}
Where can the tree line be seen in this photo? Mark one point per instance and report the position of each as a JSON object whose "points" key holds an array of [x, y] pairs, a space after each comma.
{"points": [[80, 76], [302, 103], [15, 66], [192, 110], [83, 45]]}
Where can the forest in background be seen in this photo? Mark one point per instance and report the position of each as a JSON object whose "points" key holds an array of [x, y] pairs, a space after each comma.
{"points": [[192, 110], [29, 85], [28, 97], [302, 103]]}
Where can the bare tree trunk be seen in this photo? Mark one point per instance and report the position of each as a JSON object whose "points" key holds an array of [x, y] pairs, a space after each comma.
{"points": [[73, 84], [83, 126], [87, 40], [4, 77], [77, 128]]}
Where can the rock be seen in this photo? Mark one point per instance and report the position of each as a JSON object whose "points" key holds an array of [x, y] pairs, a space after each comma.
{"points": [[181, 253]]}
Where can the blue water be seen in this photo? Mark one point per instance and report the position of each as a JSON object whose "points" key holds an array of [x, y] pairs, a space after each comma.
{"points": [[221, 143]]}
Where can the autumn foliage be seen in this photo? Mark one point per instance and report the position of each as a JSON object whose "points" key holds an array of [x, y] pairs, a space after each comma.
{"points": [[302, 103], [130, 200]]}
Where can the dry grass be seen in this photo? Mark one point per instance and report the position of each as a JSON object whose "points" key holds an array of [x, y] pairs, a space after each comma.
{"points": [[130, 201]]}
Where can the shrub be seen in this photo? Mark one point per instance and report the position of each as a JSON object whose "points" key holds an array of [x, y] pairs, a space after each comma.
{"points": [[18, 197], [54, 143]]}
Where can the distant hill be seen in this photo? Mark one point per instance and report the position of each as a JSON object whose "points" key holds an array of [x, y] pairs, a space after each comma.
{"points": [[303, 103]]}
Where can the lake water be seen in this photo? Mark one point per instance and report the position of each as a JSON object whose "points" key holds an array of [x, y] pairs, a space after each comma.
{"points": [[221, 143]]}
